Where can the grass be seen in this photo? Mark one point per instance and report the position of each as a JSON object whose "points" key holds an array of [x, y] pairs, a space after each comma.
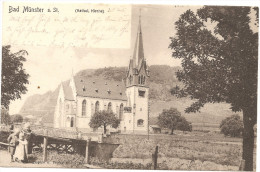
{"points": [[63, 159], [208, 148]]}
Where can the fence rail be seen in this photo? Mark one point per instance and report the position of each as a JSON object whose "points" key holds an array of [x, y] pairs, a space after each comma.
{"points": [[60, 133]]}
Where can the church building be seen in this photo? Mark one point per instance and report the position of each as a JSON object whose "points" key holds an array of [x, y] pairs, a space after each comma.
{"points": [[81, 96]]}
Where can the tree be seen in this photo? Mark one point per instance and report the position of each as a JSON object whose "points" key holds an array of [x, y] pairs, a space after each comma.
{"points": [[17, 118], [5, 117], [169, 119], [104, 118], [232, 126], [183, 124], [14, 77], [220, 66]]}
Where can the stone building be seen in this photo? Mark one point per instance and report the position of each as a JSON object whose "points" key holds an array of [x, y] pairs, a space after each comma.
{"points": [[80, 97]]}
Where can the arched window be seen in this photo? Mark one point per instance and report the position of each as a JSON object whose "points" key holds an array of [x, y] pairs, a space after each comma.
{"points": [[84, 104], [144, 80], [121, 111], [72, 122], [97, 106], [68, 122], [140, 122], [109, 107]]}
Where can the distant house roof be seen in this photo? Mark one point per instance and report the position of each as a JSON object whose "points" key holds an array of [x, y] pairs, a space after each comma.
{"points": [[67, 91], [95, 87]]}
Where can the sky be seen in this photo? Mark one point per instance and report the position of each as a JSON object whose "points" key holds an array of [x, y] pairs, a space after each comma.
{"points": [[48, 66]]}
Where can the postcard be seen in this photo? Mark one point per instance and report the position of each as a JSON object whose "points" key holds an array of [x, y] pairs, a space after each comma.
{"points": [[129, 86]]}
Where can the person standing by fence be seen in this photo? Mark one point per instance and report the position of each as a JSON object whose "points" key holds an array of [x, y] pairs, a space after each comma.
{"points": [[21, 152], [13, 140], [27, 135]]}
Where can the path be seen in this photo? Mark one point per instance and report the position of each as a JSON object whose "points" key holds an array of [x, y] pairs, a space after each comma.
{"points": [[5, 162]]}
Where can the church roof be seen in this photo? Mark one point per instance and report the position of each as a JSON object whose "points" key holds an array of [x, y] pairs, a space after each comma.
{"points": [[67, 90], [100, 88], [138, 55]]}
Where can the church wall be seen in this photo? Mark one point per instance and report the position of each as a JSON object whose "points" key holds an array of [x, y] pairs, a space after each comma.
{"points": [[83, 121], [140, 108], [58, 114], [69, 113]]}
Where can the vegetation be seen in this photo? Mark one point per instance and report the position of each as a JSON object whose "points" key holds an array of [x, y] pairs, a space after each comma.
{"points": [[232, 126], [63, 159], [183, 124], [220, 66], [113, 73], [178, 153], [172, 119], [14, 77], [5, 117], [104, 119], [17, 118], [116, 165]]}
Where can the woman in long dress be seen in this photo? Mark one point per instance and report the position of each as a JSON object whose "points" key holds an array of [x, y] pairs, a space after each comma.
{"points": [[21, 151]]}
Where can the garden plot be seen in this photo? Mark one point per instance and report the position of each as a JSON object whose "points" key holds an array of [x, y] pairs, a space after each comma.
{"points": [[180, 154]]}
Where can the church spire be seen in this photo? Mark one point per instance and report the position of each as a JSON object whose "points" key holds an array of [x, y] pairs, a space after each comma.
{"points": [[138, 49]]}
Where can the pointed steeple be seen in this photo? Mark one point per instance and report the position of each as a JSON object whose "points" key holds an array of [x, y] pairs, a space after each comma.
{"points": [[138, 49]]}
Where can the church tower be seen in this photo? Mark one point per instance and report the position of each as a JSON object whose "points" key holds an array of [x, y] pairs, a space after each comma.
{"points": [[137, 89]]}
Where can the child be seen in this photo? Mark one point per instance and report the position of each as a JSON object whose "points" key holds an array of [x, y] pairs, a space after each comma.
{"points": [[12, 140]]}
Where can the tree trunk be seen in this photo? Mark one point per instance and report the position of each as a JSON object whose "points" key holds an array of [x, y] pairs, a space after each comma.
{"points": [[172, 132], [105, 129], [248, 139]]}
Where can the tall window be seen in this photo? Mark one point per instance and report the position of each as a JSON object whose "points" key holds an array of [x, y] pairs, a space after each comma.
{"points": [[68, 122], [72, 122], [109, 107], [97, 106], [143, 79], [84, 104], [121, 111]]}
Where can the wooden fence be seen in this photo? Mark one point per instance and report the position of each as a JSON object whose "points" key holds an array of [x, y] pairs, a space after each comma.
{"points": [[63, 140]]}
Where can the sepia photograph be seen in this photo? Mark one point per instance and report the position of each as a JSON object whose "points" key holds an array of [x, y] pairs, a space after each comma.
{"points": [[129, 86]]}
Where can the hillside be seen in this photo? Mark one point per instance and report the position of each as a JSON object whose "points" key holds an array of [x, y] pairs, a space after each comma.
{"points": [[162, 79]]}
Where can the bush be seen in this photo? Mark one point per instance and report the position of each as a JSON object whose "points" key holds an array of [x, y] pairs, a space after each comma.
{"points": [[232, 126], [172, 119], [184, 125], [66, 160], [17, 118]]}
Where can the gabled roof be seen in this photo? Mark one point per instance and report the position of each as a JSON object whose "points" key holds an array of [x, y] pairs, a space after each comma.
{"points": [[100, 88], [138, 55]]}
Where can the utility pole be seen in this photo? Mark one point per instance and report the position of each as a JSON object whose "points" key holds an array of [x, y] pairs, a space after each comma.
{"points": [[148, 119]]}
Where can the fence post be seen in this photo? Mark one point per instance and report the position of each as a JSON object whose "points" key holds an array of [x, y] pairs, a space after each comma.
{"points": [[45, 144], [155, 156], [87, 151]]}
